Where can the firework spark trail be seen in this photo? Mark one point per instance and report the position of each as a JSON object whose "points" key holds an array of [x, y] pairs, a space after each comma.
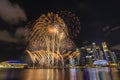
{"points": [[72, 22]]}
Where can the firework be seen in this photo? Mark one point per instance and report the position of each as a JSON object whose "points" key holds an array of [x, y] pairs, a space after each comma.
{"points": [[48, 37]]}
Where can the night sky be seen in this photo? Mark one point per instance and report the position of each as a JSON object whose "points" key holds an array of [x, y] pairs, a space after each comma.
{"points": [[98, 20]]}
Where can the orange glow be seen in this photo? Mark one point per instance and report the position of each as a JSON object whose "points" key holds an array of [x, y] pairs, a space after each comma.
{"points": [[52, 29]]}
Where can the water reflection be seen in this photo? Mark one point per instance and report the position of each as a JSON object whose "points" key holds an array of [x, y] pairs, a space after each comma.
{"points": [[9, 74], [75, 74], [60, 74], [101, 74], [43, 74]]}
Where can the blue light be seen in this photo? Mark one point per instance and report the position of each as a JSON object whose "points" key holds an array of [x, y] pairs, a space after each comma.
{"points": [[15, 61], [100, 62]]}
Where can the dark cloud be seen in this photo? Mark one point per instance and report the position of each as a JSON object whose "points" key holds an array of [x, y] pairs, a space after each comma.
{"points": [[20, 32], [11, 13], [5, 36]]}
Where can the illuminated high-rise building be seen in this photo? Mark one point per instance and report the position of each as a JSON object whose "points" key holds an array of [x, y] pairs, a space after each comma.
{"points": [[111, 34], [105, 50], [108, 54]]}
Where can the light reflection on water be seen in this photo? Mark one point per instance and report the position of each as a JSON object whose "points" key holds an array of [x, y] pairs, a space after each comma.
{"points": [[60, 74]]}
